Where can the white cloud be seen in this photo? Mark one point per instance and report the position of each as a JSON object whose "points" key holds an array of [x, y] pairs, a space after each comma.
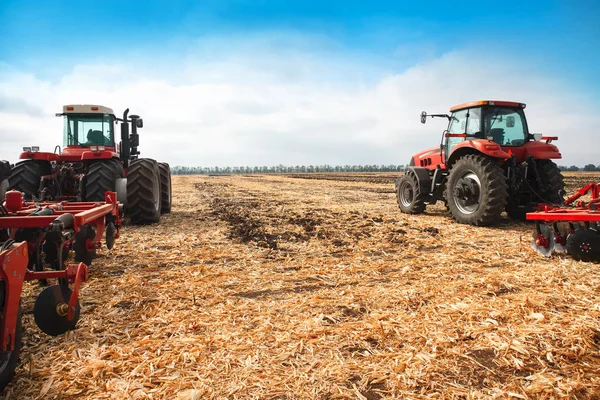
{"points": [[265, 105]]}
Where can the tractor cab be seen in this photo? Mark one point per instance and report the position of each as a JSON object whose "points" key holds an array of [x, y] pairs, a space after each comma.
{"points": [[501, 122], [87, 129]]}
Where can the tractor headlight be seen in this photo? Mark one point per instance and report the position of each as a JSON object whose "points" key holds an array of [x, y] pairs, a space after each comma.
{"points": [[93, 148], [26, 148], [35, 148], [101, 148]]}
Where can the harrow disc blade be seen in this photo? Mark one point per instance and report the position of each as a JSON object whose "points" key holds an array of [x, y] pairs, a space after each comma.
{"points": [[584, 245], [548, 234], [82, 254], [111, 233], [46, 310], [564, 231]]}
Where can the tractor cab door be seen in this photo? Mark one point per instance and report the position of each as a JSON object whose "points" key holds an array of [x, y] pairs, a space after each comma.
{"points": [[462, 122]]}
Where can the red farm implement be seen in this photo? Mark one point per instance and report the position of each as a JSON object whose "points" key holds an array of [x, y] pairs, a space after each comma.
{"points": [[573, 228], [38, 238]]}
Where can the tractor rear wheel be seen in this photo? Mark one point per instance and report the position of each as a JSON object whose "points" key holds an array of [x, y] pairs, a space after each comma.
{"points": [[409, 196], [101, 177], [10, 359], [25, 177], [551, 176], [476, 191], [165, 188], [143, 191]]}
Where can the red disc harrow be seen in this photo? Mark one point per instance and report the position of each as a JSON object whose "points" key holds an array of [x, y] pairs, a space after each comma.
{"points": [[572, 228], [37, 240]]}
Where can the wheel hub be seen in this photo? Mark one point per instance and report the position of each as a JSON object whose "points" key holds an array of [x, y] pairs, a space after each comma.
{"points": [[406, 194], [467, 193]]}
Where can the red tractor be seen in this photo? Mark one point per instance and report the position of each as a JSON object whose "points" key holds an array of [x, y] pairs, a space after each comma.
{"points": [[488, 163], [92, 163]]}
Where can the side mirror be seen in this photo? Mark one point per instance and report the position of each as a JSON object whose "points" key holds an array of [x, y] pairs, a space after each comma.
{"points": [[423, 117], [510, 122], [139, 123]]}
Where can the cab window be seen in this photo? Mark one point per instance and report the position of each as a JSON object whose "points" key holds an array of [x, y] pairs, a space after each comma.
{"points": [[506, 126]]}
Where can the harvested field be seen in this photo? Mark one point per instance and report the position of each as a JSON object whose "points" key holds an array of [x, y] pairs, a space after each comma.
{"points": [[276, 287]]}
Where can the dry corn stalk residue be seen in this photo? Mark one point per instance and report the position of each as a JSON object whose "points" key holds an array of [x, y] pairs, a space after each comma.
{"points": [[317, 287]]}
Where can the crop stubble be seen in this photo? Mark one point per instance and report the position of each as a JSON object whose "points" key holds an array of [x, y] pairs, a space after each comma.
{"points": [[283, 287]]}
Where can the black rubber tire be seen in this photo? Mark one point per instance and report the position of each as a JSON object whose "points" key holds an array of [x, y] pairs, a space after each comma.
{"points": [[591, 238], [166, 195], [25, 177], [408, 194], [8, 367], [553, 180], [493, 190], [143, 191], [101, 177]]}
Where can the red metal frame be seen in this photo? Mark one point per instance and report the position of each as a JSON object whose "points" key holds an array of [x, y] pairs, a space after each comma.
{"points": [[14, 272], [579, 212], [15, 259]]}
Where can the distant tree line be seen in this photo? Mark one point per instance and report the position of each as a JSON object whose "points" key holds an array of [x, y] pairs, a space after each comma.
{"points": [[283, 169], [587, 168]]}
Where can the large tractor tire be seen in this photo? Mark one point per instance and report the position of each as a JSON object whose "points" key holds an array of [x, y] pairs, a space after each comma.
{"points": [[25, 177], [10, 359], [409, 196], [165, 188], [4, 174], [101, 177], [476, 191], [553, 180], [143, 191]]}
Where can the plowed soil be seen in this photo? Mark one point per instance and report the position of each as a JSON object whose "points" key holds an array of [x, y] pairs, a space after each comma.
{"points": [[280, 287]]}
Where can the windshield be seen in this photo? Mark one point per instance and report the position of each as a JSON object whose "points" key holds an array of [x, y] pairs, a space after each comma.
{"points": [[88, 130], [505, 126]]}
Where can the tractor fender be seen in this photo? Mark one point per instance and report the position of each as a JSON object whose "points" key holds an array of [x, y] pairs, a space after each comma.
{"points": [[478, 146], [541, 151], [423, 178], [39, 156], [121, 190]]}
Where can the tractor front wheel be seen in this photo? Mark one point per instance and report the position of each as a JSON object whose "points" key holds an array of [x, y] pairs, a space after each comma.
{"points": [[165, 188], [143, 191], [408, 193], [25, 177], [101, 177], [476, 191]]}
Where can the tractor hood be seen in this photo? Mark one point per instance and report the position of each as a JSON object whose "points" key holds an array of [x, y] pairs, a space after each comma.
{"points": [[429, 157]]}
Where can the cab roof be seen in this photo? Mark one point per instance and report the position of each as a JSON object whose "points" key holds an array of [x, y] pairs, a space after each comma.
{"points": [[86, 109], [480, 103]]}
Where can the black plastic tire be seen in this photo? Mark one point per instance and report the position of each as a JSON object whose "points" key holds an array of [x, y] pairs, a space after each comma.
{"points": [[492, 190], [11, 359], [166, 195], [143, 191], [553, 180], [25, 177], [101, 177], [409, 196]]}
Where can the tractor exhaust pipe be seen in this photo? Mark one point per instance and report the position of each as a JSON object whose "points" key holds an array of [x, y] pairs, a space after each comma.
{"points": [[125, 145]]}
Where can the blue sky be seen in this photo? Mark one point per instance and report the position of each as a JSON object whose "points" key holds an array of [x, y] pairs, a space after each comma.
{"points": [[354, 47], [563, 35]]}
